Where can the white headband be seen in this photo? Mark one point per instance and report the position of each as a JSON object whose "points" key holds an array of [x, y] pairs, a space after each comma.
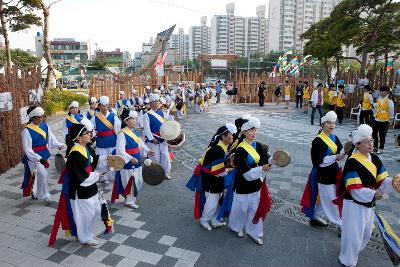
{"points": [[36, 112]]}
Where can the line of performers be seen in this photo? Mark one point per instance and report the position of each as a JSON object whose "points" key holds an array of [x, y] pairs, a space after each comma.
{"points": [[235, 189], [90, 139]]}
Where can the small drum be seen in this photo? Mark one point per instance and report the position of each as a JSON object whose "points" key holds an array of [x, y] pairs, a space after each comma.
{"points": [[153, 173], [396, 182], [281, 157], [59, 162], [348, 147], [177, 142], [172, 132], [115, 162]]}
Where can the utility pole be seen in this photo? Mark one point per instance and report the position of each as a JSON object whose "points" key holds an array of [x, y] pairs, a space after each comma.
{"points": [[248, 68]]}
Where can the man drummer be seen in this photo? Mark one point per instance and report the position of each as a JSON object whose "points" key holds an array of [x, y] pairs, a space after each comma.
{"points": [[180, 103], [106, 124], [37, 138], [73, 117], [92, 108], [152, 121], [122, 102], [131, 148]]}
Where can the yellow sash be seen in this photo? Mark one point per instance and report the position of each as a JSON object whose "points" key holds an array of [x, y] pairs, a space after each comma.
{"points": [[104, 120], [158, 117], [71, 119], [328, 141], [37, 129], [201, 160], [121, 104], [366, 163], [223, 146], [131, 134], [81, 150], [234, 145], [253, 153]]}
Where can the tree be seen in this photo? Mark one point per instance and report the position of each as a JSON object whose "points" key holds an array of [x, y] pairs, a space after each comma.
{"points": [[322, 44], [16, 16], [46, 41], [100, 62], [19, 57], [363, 22]]}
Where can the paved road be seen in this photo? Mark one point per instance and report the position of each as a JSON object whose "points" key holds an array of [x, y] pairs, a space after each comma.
{"points": [[162, 232]]}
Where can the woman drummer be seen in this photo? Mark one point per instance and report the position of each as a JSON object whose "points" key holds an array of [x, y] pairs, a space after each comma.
{"points": [[130, 146], [364, 181], [82, 182], [251, 161], [326, 151], [213, 172]]}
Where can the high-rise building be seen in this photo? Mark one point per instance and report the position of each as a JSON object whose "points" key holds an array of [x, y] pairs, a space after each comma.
{"points": [[180, 43], [288, 19], [232, 34], [199, 39]]}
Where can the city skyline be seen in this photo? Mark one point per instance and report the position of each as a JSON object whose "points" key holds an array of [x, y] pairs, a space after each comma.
{"points": [[109, 35]]}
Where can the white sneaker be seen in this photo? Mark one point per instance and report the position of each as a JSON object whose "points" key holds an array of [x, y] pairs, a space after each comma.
{"points": [[206, 226], [322, 221], [216, 224], [91, 243], [239, 234], [132, 206], [257, 240], [168, 177]]}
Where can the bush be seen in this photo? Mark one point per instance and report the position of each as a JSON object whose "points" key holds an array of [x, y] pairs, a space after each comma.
{"points": [[56, 100]]}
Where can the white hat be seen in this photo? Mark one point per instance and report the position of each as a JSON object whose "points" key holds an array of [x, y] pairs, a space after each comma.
{"points": [[330, 116], [93, 100], [134, 91], [363, 131], [121, 92], [87, 123], [104, 100], [156, 91], [251, 123], [231, 127], [163, 101], [154, 98], [74, 104], [148, 87], [132, 114], [36, 112], [147, 101]]}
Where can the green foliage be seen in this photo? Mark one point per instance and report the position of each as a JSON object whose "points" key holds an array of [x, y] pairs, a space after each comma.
{"points": [[56, 100], [19, 57], [19, 14]]}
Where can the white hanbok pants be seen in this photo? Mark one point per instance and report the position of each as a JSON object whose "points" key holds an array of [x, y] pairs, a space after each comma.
{"points": [[356, 231], [102, 165], [210, 210], [125, 176], [161, 155], [180, 113], [41, 185], [86, 212], [327, 193], [198, 108], [244, 207]]}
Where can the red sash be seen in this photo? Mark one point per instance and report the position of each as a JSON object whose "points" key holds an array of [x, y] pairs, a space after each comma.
{"points": [[105, 133], [132, 151], [39, 148]]}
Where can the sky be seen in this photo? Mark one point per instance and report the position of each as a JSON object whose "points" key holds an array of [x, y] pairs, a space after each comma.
{"points": [[126, 24]]}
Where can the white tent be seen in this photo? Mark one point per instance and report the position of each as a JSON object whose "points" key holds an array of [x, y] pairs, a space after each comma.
{"points": [[43, 68]]}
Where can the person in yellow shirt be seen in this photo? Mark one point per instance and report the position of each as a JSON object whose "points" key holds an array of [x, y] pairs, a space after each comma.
{"points": [[384, 113], [287, 94], [367, 105], [332, 94], [340, 103], [306, 96]]}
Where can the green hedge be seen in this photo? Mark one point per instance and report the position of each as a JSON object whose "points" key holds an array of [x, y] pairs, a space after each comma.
{"points": [[56, 100]]}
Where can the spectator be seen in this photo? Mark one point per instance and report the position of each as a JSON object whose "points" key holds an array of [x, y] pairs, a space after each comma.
{"points": [[340, 103], [287, 93], [278, 94], [299, 94], [317, 99], [261, 96], [367, 105], [306, 96], [218, 91], [332, 97]]}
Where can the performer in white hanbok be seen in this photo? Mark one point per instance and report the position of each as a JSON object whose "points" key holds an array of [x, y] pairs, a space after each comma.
{"points": [[252, 162], [82, 183], [129, 181], [37, 139], [364, 181], [92, 108], [152, 121], [137, 104], [106, 124], [73, 116]]}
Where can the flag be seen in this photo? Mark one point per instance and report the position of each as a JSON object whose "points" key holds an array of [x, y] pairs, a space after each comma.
{"points": [[389, 65]]}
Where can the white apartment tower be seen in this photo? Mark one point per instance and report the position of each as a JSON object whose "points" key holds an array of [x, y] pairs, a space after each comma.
{"points": [[180, 42], [199, 39], [288, 19], [232, 34]]}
